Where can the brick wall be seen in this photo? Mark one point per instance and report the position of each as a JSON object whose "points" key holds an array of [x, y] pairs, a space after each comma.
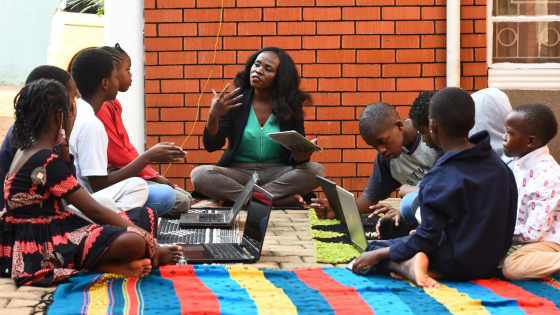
{"points": [[349, 53]]}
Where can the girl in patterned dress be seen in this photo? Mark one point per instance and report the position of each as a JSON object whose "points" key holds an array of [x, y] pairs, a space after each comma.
{"points": [[40, 242]]}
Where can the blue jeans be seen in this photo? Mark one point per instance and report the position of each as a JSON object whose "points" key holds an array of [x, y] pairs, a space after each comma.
{"points": [[407, 213], [161, 198]]}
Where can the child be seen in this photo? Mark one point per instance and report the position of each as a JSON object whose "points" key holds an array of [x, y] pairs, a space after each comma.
{"points": [[530, 128], [7, 151], [467, 220], [120, 151], [402, 157], [43, 244], [96, 77]]}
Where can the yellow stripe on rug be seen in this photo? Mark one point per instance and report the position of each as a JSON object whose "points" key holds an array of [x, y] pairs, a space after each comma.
{"points": [[98, 295], [268, 298], [457, 303]]}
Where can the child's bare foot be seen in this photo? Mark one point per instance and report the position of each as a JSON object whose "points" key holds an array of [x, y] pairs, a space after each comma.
{"points": [[398, 276], [169, 255], [132, 269], [294, 200], [416, 269]]}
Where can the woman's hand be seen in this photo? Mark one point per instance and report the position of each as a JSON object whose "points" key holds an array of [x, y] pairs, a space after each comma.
{"points": [[223, 103], [322, 208], [300, 153], [164, 181]]}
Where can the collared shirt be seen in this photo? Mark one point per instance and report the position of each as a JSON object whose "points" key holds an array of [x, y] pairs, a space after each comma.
{"points": [[88, 144], [408, 169], [468, 204], [538, 211], [120, 151]]}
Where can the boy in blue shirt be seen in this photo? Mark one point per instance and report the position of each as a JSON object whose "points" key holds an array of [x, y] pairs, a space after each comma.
{"points": [[467, 219]]}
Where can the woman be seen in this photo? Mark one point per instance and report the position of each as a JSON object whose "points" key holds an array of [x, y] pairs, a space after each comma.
{"points": [[268, 99]]}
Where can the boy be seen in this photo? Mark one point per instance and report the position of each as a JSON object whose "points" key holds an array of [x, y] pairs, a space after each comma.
{"points": [[96, 77], [467, 220], [530, 128], [402, 158]]}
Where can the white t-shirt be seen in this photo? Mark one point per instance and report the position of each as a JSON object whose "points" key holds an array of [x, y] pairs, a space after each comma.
{"points": [[88, 143]]}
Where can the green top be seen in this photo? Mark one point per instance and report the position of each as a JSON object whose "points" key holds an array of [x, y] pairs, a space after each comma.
{"points": [[256, 146]]}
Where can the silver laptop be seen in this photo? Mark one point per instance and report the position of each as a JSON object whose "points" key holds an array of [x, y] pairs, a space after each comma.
{"points": [[353, 219], [250, 249], [223, 219]]}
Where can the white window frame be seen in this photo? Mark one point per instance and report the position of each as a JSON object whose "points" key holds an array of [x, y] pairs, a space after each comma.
{"points": [[519, 76]]}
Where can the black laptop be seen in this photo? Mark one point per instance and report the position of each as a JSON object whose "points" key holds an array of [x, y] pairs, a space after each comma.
{"points": [[329, 188], [224, 218], [249, 251]]}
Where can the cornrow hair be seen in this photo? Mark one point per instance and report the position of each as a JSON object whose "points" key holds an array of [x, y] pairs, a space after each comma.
{"points": [[33, 106], [50, 73], [419, 110], [116, 52]]}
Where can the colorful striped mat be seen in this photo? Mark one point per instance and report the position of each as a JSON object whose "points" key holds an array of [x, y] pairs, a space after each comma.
{"points": [[243, 290]]}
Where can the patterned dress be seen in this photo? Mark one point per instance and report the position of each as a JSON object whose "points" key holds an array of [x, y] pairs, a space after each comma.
{"points": [[42, 244]]}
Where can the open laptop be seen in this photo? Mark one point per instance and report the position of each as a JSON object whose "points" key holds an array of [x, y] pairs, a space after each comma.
{"points": [[329, 188], [353, 219], [249, 250], [223, 219]]}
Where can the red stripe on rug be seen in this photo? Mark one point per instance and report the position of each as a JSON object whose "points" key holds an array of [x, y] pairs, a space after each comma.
{"points": [[531, 304], [134, 304], [195, 297], [552, 283], [343, 299]]}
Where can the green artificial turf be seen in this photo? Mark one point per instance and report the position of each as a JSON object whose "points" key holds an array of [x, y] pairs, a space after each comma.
{"points": [[334, 253], [313, 220]]}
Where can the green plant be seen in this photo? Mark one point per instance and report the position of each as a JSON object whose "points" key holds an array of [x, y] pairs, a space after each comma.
{"points": [[100, 4]]}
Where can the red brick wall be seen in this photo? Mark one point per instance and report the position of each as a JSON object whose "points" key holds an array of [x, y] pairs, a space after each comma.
{"points": [[350, 53]]}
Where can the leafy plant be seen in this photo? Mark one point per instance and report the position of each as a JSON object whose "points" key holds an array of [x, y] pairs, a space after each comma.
{"points": [[89, 4]]}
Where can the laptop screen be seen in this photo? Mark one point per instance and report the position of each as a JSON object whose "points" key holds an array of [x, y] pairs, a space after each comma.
{"points": [[353, 219], [240, 201], [257, 219]]}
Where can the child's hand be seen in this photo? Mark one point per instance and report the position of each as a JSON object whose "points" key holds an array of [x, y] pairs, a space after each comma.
{"points": [[392, 214], [165, 152], [322, 208], [379, 208], [164, 181], [364, 260], [222, 103]]}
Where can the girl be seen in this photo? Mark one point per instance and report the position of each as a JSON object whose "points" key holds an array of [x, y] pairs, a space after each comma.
{"points": [[270, 101], [120, 151], [42, 243]]}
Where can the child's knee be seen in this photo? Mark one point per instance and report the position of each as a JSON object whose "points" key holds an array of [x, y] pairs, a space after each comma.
{"points": [[512, 269], [132, 245]]}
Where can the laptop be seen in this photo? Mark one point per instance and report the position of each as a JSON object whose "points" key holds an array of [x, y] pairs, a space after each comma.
{"points": [[329, 188], [249, 251], [353, 219], [225, 218]]}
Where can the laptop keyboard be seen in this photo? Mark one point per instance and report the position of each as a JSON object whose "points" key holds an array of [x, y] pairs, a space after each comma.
{"points": [[225, 251], [211, 217], [170, 233]]}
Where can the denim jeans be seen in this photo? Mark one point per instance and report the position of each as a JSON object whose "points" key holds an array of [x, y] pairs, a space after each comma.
{"points": [[407, 213], [161, 198]]}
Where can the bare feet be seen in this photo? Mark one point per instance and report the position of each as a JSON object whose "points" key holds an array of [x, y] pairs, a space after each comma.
{"points": [[169, 255], [398, 276], [132, 269], [416, 269], [294, 200]]}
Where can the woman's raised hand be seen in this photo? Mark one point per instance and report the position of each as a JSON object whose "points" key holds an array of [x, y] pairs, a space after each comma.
{"points": [[223, 103]]}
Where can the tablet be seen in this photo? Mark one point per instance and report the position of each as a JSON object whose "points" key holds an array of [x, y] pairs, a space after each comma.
{"points": [[287, 138]]}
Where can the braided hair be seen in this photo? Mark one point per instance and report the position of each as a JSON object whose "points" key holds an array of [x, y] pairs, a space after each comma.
{"points": [[286, 96], [116, 52], [33, 106]]}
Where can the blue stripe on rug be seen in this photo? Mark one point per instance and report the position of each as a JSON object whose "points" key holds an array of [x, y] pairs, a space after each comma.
{"points": [[232, 297], [305, 299], [158, 295]]}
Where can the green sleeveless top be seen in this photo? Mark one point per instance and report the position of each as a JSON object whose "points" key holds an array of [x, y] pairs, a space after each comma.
{"points": [[256, 146]]}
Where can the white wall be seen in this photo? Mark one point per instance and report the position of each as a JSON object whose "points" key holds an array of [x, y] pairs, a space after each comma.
{"points": [[124, 24], [25, 27]]}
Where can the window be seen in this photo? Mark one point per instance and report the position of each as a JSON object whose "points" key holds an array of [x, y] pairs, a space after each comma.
{"points": [[524, 44]]}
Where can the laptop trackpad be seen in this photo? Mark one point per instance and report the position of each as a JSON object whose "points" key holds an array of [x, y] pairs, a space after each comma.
{"points": [[195, 252]]}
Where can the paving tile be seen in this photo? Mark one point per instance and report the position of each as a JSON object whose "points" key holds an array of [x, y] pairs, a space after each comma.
{"points": [[9, 287], [16, 311], [19, 303], [302, 253], [265, 265], [35, 295], [3, 303], [303, 265], [31, 289], [284, 259]]}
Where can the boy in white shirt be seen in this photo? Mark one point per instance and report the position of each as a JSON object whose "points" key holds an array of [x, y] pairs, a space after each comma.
{"points": [[95, 75], [530, 128]]}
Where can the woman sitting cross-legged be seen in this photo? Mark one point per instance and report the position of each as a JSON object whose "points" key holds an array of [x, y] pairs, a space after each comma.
{"points": [[268, 99], [42, 243]]}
